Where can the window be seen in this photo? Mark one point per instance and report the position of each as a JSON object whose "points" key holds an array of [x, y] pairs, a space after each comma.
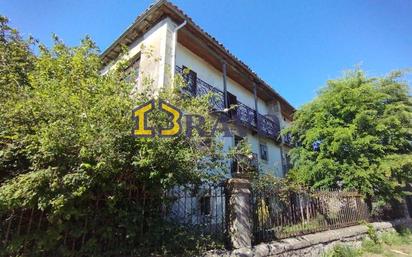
{"points": [[263, 152], [191, 79], [286, 163], [238, 139], [204, 202], [132, 71], [232, 102]]}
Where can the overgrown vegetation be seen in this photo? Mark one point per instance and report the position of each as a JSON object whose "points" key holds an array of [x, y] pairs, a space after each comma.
{"points": [[69, 166], [385, 244], [343, 251], [356, 134]]}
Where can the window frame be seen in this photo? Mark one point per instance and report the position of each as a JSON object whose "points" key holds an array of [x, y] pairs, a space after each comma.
{"points": [[190, 78], [264, 147], [205, 205], [131, 66]]}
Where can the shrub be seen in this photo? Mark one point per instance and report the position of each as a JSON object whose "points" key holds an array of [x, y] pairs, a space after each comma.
{"points": [[397, 238], [67, 158], [343, 251], [372, 247], [373, 234]]}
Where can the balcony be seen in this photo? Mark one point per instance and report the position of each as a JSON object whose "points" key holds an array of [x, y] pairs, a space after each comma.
{"points": [[247, 116]]}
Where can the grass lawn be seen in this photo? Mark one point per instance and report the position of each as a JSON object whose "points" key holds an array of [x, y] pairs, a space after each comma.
{"points": [[392, 251]]}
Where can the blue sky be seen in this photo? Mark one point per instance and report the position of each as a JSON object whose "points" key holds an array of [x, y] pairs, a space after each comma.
{"points": [[295, 46]]}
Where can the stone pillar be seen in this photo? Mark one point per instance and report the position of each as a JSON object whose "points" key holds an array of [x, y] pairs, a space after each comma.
{"points": [[238, 213]]}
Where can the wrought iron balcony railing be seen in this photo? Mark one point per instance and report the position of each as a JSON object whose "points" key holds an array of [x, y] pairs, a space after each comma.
{"points": [[248, 117]]}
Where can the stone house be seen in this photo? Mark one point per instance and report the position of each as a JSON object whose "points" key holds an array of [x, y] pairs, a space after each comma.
{"points": [[163, 41]]}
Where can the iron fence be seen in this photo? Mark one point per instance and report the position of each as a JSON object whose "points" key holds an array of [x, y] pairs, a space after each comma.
{"points": [[195, 213], [150, 222], [200, 208], [280, 215]]}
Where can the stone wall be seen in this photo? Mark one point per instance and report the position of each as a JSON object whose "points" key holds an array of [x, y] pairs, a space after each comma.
{"points": [[312, 245]]}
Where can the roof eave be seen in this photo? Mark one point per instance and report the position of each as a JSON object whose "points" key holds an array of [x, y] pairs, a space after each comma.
{"points": [[179, 14]]}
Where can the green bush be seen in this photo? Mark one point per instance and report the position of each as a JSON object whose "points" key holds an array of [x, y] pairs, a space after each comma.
{"points": [[372, 247], [66, 155], [343, 251], [397, 238], [376, 244], [373, 234], [356, 134]]}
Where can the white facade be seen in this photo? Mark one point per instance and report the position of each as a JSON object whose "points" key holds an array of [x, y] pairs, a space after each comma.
{"points": [[156, 54], [209, 74], [159, 53]]}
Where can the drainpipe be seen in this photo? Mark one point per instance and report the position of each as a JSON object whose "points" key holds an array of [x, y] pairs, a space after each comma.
{"points": [[225, 100], [175, 44], [256, 105]]}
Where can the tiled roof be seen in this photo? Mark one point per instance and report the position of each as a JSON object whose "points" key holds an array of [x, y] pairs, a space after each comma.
{"points": [[158, 4]]}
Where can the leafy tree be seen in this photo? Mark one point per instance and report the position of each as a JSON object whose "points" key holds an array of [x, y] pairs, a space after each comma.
{"points": [[356, 134], [66, 152], [16, 60]]}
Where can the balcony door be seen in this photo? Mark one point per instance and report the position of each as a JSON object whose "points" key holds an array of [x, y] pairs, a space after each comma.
{"points": [[190, 79], [232, 103]]}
